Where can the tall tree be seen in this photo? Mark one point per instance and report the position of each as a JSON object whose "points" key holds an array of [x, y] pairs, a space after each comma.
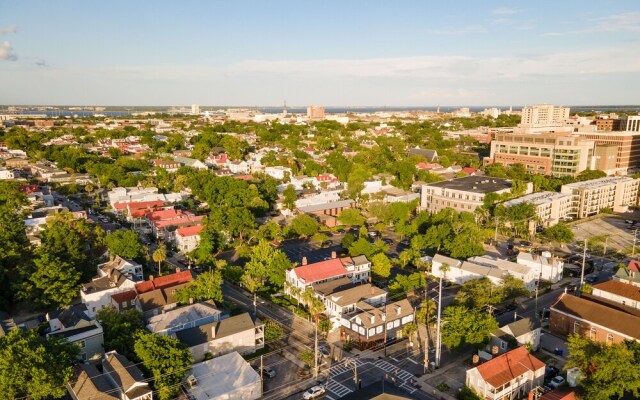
{"points": [[166, 359], [381, 266], [54, 282], [351, 217], [559, 233], [305, 225], [120, 329], [15, 254], [32, 366], [124, 244], [207, 286], [477, 293], [290, 197], [464, 326], [160, 255]]}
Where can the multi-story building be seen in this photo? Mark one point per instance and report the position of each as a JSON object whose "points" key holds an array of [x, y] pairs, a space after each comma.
{"points": [[357, 269], [509, 376], [551, 207], [188, 238], [607, 124], [597, 321], [552, 153], [73, 324], [630, 123], [627, 150], [618, 292], [543, 114], [589, 197], [462, 194], [315, 112]]}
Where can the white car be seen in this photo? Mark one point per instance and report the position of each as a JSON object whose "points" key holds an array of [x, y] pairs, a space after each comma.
{"points": [[556, 382], [313, 393]]}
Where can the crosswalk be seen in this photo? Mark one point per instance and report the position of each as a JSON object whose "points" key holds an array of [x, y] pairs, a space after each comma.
{"points": [[392, 369], [337, 388]]}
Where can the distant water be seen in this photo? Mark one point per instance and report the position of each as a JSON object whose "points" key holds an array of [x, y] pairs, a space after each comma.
{"points": [[329, 110]]}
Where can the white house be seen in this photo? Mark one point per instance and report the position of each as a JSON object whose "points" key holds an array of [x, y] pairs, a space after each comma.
{"points": [[6, 174], [618, 292], [228, 377], [525, 332], [544, 266], [340, 296], [509, 376], [188, 238], [131, 269], [357, 269], [97, 293], [495, 270], [278, 172]]}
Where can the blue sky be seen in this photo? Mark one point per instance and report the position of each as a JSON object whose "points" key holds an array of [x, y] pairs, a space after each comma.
{"points": [[340, 53]]}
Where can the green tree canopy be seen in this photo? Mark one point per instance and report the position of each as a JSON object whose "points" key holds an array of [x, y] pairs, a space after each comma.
{"points": [[477, 293], [351, 217], [463, 326], [381, 265], [33, 366], [560, 233], [15, 253], [166, 359], [120, 329], [305, 225], [54, 282], [124, 244], [290, 197], [589, 174], [207, 286]]}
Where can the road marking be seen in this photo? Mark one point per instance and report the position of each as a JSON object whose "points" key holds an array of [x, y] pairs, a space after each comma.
{"points": [[337, 388]]}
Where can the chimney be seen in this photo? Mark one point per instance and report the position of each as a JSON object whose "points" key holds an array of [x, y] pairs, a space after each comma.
{"points": [[494, 350], [333, 254], [515, 315], [372, 319], [150, 277], [177, 269], [304, 260], [190, 300], [398, 310]]}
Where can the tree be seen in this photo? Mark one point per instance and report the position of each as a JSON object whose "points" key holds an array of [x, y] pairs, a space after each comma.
{"points": [[426, 312], [406, 283], [290, 197], [512, 288], [239, 221], [559, 233], [120, 329], [305, 225], [477, 293], [467, 393], [207, 286], [307, 356], [160, 256], [124, 244], [464, 326], [409, 330], [589, 174], [347, 240], [15, 253], [351, 217], [381, 266], [610, 370], [272, 330], [33, 366], [166, 359], [360, 247], [54, 282], [211, 243], [316, 307]]}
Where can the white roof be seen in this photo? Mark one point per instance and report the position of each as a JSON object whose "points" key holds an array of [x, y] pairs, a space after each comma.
{"points": [[503, 265], [220, 377], [452, 262], [595, 183], [537, 198]]}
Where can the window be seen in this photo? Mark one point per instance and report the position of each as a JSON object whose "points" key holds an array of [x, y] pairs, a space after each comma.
{"points": [[503, 345], [576, 327], [592, 334]]}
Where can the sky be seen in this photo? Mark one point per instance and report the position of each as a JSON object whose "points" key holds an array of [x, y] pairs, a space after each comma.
{"points": [[325, 52]]}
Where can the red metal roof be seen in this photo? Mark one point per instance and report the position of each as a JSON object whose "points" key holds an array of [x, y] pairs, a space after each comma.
{"points": [[124, 296], [190, 230], [510, 365], [634, 265], [321, 270], [138, 205], [164, 281]]}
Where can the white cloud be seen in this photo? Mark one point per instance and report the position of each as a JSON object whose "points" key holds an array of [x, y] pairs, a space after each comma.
{"points": [[6, 52], [505, 11], [8, 29], [626, 22]]}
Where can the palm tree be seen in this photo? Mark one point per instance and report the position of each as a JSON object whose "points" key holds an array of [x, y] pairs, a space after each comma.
{"points": [[159, 256], [444, 268], [295, 292], [316, 307]]}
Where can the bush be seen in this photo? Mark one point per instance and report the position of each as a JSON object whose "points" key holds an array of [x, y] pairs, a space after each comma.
{"points": [[443, 387], [466, 393], [347, 346]]}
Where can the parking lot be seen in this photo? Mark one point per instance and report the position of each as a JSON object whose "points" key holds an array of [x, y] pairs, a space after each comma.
{"points": [[286, 372], [619, 232]]}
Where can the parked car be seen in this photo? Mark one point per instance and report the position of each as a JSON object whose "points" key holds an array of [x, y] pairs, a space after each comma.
{"points": [[324, 351], [545, 313], [313, 393], [268, 372], [387, 241], [571, 287], [550, 372], [326, 243], [557, 381], [592, 278]]}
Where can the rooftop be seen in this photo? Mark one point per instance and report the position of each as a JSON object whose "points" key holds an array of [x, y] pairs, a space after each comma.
{"points": [[182, 316], [190, 230], [223, 328], [601, 182], [619, 288], [336, 285], [508, 366], [164, 281], [537, 198], [224, 375], [88, 383], [355, 294], [321, 270], [602, 315], [326, 206], [474, 184]]}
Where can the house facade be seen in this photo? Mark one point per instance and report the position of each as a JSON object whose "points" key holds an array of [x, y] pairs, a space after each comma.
{"points": [[618, 292], [97, 293], [73, 324], [369, 326], [357, 269]]}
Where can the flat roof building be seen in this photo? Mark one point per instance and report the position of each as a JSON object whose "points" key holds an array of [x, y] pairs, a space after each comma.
{"points": [[589, 197], [551, 207]]}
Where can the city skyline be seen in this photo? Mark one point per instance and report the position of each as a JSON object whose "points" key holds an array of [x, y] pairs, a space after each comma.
{"points": [[252, 53]]}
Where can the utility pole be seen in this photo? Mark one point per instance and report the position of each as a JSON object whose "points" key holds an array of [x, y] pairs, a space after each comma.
{"points": [[536, 309], [426, 322], [438, 339], [384, 319], [495, 236], [315, 353], [584, 259], [635, 237], [261, 373]]}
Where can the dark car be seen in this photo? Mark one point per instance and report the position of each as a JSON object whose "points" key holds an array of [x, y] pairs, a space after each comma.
{"points": [[387, 241], [550, 372], [268, 372], [544, 314], [510, 307], [592, 278], [571, 287], [326, 243]]}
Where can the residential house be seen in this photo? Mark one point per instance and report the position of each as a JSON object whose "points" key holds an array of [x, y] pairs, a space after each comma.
{"points": [[357, 269], [495, 270], [618, 292], [191, 163], [429, 155], [340, 296], [544, 266], [527, 275], [164, 222], [97, 293], [369, 326], [239, 333], [121, 380], [228, 377], [523, 332], [509, 376], [136, 210], [129, 268], [630, 274], [278, 172], [125, 301], [125, 377], [6, 174], [185, 317], [597, 321], [327, 213], [73, 324], [188, 238], [158, 301], [170, 166]]}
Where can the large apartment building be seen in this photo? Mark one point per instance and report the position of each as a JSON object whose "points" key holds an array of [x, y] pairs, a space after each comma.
{"points": [[553, 153], [462, 194], [589, 197], [630, 123], [551, 207], [617, 152], [543, 115]]}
